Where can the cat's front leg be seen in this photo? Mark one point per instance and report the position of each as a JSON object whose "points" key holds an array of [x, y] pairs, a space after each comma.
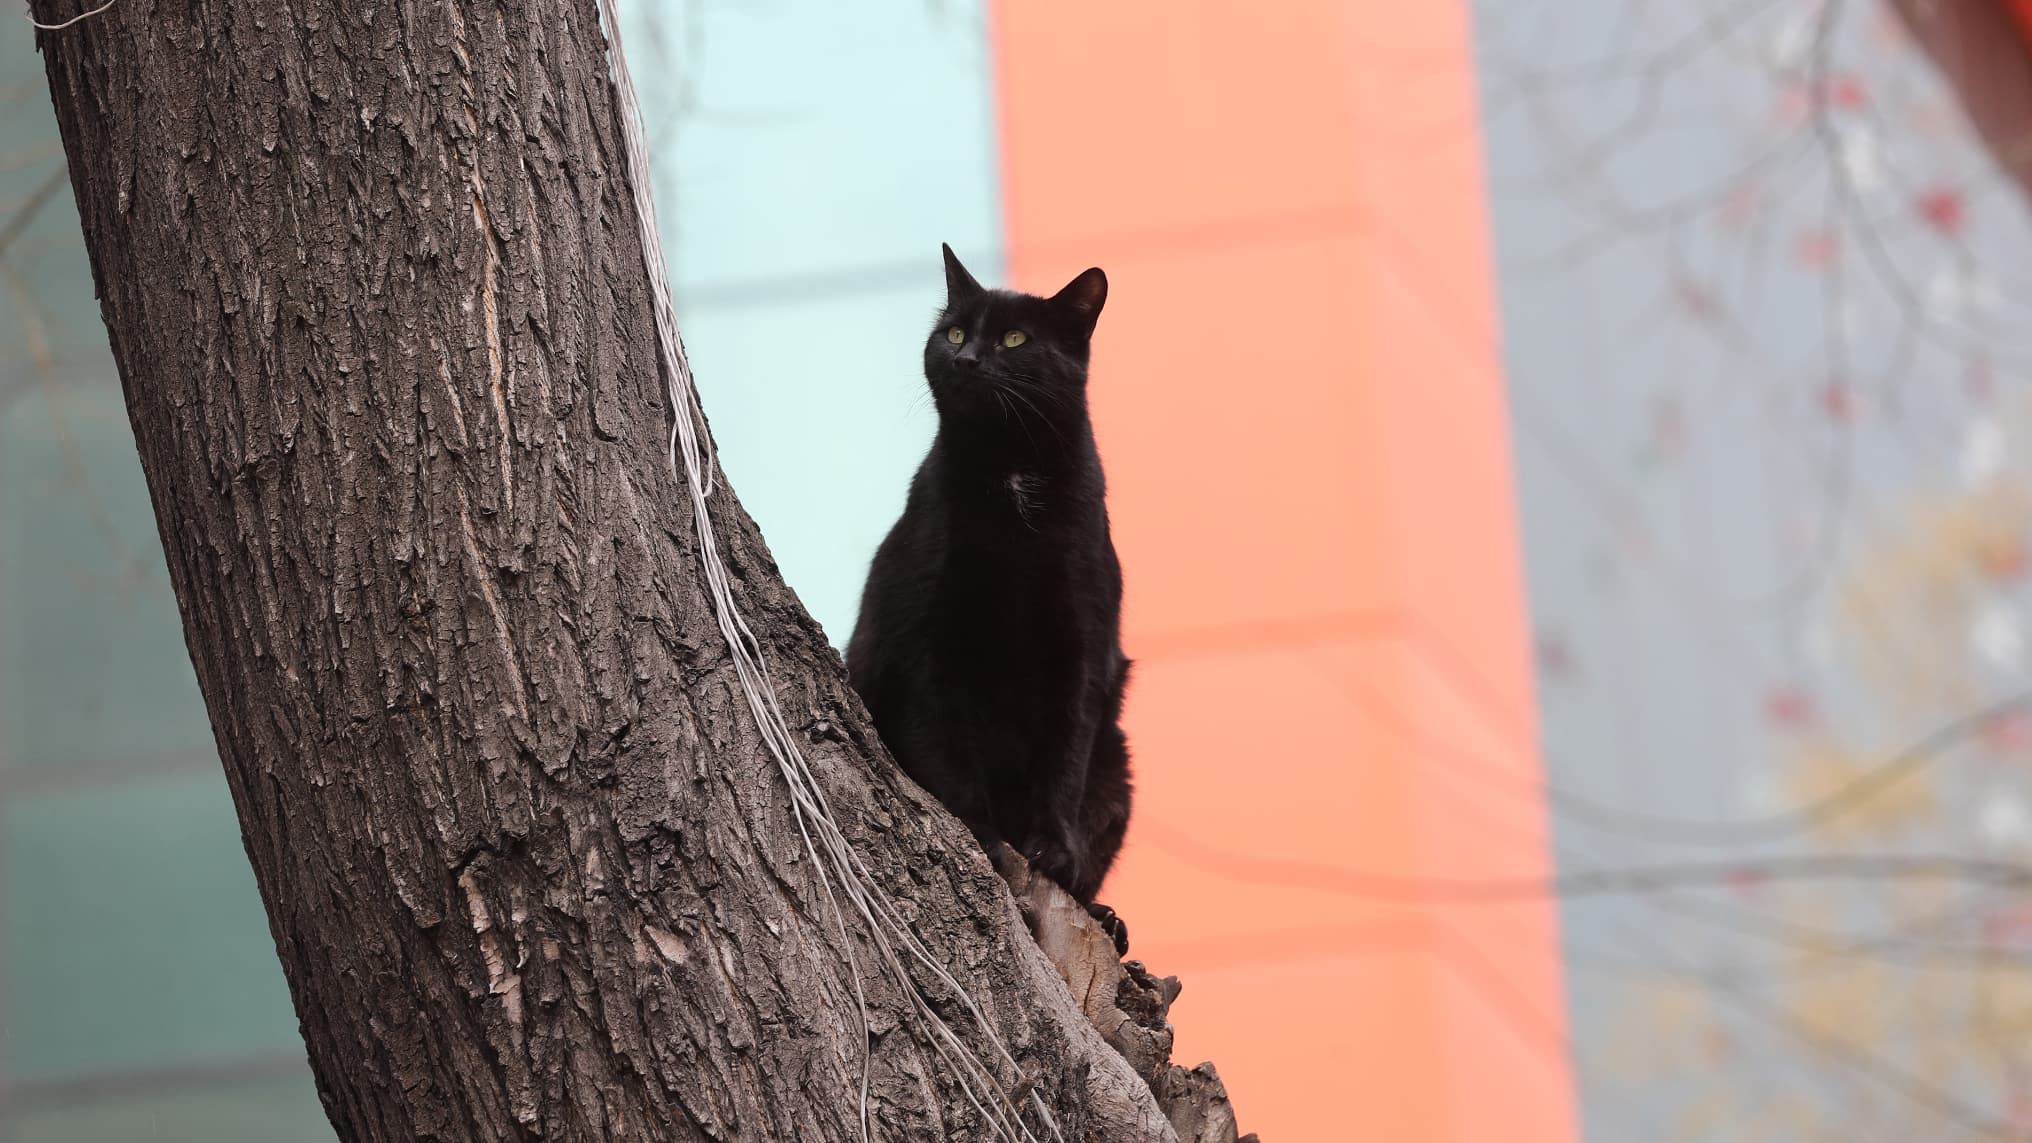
{"points": [[1060, 847], [1058, 851]]}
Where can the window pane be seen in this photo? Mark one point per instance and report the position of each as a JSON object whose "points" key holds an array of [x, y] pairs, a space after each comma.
{"points": [[280, 1110], [135, 937]]}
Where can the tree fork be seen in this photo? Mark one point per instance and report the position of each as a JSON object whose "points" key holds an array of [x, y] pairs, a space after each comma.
{"points": [[373, 283]]}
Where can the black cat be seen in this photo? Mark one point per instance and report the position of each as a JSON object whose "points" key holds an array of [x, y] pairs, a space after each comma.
{"points": [[988, 647]]}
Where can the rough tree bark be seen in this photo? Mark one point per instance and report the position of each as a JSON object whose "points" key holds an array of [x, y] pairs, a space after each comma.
{"points": [[372, 278]]}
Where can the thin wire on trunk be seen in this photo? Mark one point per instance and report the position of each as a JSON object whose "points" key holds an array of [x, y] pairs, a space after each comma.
{"points": [[85, 15]]}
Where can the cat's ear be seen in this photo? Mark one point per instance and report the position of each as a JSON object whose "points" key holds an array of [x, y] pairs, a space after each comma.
{"points": [[959, 284], [1082, 298]]}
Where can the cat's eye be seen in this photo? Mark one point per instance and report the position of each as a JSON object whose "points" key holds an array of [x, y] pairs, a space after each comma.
{"points": [[955, 335], [1014, 338]]}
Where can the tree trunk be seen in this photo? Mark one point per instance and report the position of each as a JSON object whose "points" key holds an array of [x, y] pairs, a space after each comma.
{"points": [[376, 291], [1981, 50]]}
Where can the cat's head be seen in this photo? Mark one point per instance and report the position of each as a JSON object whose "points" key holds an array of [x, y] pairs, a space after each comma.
{"points": [[991, 351]]}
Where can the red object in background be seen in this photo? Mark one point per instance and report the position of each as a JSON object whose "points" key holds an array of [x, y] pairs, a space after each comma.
{"points": [[2008, 733], [1741, 205], [1292, 534], [2023, 10], [1788, 708], [2020, 1110], [2006, 564], [1697, 299], [1816, 249], [1846, 92], [1838, 401], [2007, 928], [1943, 208]]}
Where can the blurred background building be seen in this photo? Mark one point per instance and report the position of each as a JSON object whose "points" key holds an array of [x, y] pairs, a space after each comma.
{"points": [[1572, 462]]}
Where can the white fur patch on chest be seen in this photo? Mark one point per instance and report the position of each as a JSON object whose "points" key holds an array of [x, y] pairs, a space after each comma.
{"points": [[1024, 489]]}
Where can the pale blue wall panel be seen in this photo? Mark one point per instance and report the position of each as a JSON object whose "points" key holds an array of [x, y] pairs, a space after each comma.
{"points": [[810, 158]]}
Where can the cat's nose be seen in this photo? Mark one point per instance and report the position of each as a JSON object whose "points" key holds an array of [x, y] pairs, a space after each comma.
{"points": [[966, 361]]}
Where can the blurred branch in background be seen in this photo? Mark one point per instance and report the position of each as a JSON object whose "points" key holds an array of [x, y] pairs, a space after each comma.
{"points": [[1764, 302]]}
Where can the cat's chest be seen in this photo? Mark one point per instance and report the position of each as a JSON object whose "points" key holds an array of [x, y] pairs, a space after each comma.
{"points": [[1024, 525], [1023, 493], [1036, 573], [1023, 575]]}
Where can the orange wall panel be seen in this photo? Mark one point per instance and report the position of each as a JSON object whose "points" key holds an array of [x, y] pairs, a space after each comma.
{"points": [[1301, 407]]}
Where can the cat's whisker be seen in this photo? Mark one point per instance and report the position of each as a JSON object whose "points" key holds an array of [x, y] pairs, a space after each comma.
{"points": [[1010, 411], [1035, 386], [1017, 393]]}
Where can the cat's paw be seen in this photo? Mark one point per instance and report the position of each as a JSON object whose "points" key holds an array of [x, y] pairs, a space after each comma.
{"points": [[1112, 925], [1058, 862]]}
